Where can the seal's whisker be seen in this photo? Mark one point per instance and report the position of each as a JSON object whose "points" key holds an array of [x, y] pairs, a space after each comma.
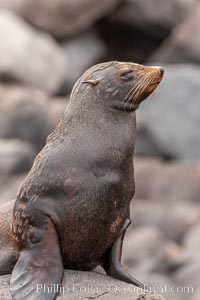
{"points": [[145, 82], [133, 88], [129, 99], [139, 88], [137, 91]]}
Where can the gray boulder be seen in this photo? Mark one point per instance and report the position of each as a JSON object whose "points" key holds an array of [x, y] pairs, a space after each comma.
{"points": [[135, 30], [157, 283], [196, 295], [15, 156], [183, 44], [9, 187], [82, 52], [29, 56], [28, 114], [142, 14], [191, 241], [148, 250], [89, 285], [188, 276], [61, 18], [56, 108], [24, 114], [172, 113], [167, 182], [173, 219], [147, 143]]}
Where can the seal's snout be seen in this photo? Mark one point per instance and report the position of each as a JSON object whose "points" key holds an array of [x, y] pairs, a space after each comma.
{"points": [[147, 80], [156, 73], [162, 71]]}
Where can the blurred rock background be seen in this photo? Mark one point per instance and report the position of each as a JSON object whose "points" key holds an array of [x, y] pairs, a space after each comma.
{"points": [[46, 45]]}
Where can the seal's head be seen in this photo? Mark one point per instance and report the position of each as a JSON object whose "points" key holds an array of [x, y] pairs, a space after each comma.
{"points": [[119, 84]]}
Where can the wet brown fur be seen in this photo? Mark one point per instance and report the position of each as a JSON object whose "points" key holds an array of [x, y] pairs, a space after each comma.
{"points": [[83, 179]]}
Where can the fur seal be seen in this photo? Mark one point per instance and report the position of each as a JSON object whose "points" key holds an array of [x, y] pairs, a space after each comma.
{"points": [[72, 210]]}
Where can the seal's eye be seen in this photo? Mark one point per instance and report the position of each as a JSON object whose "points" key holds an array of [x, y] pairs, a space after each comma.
{"points": [[126, 75]]}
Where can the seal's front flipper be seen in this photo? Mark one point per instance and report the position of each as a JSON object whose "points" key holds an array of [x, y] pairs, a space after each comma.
{"points": [[39, 270], [8, 259], [112, 262]]}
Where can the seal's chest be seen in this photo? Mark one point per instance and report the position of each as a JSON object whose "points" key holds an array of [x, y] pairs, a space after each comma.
{"points": [[110, 177]]}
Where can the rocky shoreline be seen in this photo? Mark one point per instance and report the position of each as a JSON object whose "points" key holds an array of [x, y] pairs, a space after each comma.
{"points": [[45, 47]]}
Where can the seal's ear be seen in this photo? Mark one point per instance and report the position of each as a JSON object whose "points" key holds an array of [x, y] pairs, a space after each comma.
{"points": [[93, 82]]}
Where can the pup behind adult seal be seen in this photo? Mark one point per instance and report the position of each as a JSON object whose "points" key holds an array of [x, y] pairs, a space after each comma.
{"points": [[72, 210]]}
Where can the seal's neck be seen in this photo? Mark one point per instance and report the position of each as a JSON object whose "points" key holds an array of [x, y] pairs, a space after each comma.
{"points": [[97, 116], [125, 106], [99, 129], [92, 112]]}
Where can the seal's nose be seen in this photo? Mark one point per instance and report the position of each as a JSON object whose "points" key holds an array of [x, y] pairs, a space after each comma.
{"points": [[161, 70]]}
